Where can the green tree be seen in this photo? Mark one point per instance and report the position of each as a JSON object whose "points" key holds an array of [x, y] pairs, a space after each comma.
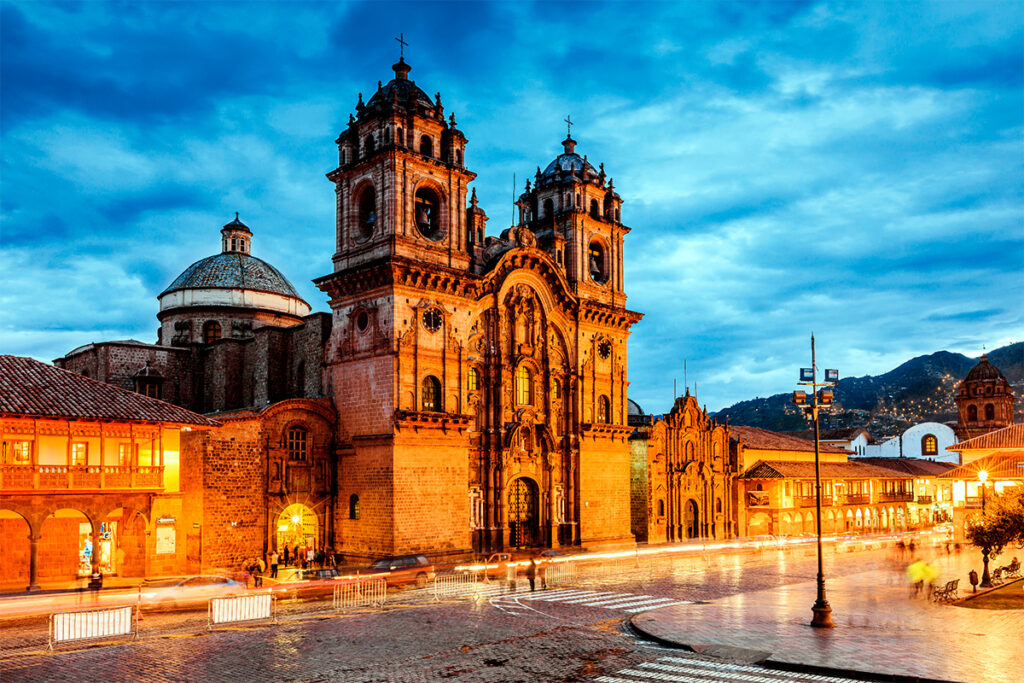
{"points": [[1001, 525]]}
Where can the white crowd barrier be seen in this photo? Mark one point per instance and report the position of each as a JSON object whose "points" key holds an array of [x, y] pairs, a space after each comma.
{"points": [[237, 608], [560, 573], [448, 585], [362, 593], [89, 624]]}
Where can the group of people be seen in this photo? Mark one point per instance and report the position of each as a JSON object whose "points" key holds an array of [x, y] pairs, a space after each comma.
{"points": [[534, 570]]}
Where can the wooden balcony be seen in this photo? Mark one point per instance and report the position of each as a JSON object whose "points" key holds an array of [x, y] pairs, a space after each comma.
{"points": [[809, 501], [925, 500], [857, 499], [897, 497], [20, 478]]}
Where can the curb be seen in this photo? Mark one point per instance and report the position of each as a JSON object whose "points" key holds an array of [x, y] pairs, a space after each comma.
{"points": [[764, 659]]}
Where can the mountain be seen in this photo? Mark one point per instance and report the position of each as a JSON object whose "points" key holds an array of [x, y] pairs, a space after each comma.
{"points": [[922, 389]]}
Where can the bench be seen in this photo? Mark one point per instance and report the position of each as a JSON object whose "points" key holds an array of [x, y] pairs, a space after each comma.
{"points": [[1012, 570], [948, 592], [997, 576]]}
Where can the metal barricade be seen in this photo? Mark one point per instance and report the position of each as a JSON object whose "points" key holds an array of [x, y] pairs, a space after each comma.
{"points": [[90, 624], [361, 593], [241, 608], [449, 585], [560, 573]]}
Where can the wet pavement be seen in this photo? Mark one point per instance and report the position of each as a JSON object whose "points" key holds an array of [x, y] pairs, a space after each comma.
{"points": [[879, 627]]}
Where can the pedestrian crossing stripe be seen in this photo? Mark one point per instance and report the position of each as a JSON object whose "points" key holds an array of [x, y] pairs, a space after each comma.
{"points": [[680, 670], [627, 602]]}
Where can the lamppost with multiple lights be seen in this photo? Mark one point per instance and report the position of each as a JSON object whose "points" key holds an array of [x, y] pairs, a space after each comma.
{"points": [[986, 581], [809, 377]]}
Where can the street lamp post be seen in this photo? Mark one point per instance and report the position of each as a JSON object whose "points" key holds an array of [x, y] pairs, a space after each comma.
{"points": [[986, 581], [809, 377]]}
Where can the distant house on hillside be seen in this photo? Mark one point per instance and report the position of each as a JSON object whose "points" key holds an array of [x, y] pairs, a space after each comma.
{"points": [[854, 439]]}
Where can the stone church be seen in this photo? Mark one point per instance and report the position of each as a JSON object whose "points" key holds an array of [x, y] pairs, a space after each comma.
{"points": [[466, 393]]}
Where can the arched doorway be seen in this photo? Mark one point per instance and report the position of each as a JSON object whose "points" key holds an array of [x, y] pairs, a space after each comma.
{"points": [[297, 526], [65, 546], [691, 519], [522, 513]]}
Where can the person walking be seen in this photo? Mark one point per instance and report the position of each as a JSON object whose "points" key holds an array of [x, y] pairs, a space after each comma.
{"points": [[542, 572], [285, 556], [531, 573], [273, 564]]}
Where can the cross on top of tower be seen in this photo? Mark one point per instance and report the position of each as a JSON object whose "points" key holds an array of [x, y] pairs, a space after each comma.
{"points": [[402, 44], [568, 125]]}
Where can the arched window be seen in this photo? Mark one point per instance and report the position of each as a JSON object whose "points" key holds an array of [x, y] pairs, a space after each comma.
{"points": [[595, 212], [298, 443], [353, 506], [604, 410], [399, 138], [368, 145], [556, 389], [367, 204], [598, 263], [431, 394], [428, 213], [549, 208], [990, 411], [661, 508], [929, 445], [473, 380], [426, 146], [988, 390], [718, 506], [524, 386], [211, 331], [458, 157], [972, 413]]}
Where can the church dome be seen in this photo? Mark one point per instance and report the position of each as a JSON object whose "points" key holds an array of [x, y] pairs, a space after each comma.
{"points": [[233, 271], [984, 371], [568, 162], [401, 90]]}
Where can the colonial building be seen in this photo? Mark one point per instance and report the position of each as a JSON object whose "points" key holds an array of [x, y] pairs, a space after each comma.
{"points": [[683, 477], [984, 401], [466, 393], [89, 479], [992, 463]]}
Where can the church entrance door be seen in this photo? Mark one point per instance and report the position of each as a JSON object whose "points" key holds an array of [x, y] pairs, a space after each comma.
{"points": [[296, 526], [691, 520], [522, 513]]}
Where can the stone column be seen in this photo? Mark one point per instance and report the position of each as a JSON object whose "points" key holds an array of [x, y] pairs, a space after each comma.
{"points": [[33, 553]]}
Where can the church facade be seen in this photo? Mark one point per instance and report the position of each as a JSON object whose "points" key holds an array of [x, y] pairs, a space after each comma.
{"points": [[465, 394]]}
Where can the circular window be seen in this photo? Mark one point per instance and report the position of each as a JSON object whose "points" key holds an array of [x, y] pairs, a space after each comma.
{"points": [[604, 349], [362, 320], [432, 320]]}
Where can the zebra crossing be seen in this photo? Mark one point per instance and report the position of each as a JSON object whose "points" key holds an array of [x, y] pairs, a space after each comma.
{"points": [[629, 603], [692, 670]]}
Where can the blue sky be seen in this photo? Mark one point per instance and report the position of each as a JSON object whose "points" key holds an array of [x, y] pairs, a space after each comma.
{"points": [[852, 169]]}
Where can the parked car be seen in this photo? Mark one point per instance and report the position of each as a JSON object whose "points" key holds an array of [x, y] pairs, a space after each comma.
{"points": [[181, 591], [496, 565], [404, 569], [307, 583]]}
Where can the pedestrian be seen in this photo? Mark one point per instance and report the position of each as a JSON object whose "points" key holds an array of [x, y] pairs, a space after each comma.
{"points": [[310, 556], [916, 574], [257, 575], [273, 564], [295, 554], [320, 558], [531, 573], [332, 560], [285, 556], [542, 571]]}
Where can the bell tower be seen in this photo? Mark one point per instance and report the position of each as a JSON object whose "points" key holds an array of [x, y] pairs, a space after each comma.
{"points": [[401, 184]]}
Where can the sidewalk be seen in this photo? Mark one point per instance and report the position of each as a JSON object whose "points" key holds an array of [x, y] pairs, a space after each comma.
{"points": [[879, 628]]}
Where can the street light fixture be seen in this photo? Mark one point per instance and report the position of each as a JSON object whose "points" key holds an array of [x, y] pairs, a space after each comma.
{"points": [[809, 377], [986, 581]]}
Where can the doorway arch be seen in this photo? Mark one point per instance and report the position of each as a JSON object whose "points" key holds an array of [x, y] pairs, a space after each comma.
{"points": [[522, 513], [297, 525], [691, 519]]}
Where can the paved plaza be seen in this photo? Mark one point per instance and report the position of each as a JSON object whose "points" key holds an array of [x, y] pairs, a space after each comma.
{"points": [[723, 606]]}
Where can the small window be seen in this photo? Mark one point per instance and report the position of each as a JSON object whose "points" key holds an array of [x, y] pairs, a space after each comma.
{"points": [[369, 145], [524, 386], [661, 508], [362, 321], [990, 411], [353, 506], [473, 380], [367, 204], [426, 146], [603, 410], [458, 157], [929, 445], [431, 394], [972, 413], [79, 454], [399, 137], [549, 208], [211, 331], [556, 389], [297, 444], [595, 212]]}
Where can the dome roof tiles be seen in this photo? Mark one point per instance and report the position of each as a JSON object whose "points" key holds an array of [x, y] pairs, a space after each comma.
{"points": [[233, 270], [984, 371]]}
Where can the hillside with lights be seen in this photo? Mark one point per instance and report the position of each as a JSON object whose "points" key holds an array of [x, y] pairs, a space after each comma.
{"points": [[921, 390]]}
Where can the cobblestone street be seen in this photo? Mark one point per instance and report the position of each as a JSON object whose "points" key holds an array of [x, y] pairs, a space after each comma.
{"points": [[568, 633]]}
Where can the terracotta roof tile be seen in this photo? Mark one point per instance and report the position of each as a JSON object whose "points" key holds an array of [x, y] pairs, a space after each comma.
{"points": [[918, 467], [762, 439], [31, 388], [1007, 437], [1004, 466], [779, 469]]}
